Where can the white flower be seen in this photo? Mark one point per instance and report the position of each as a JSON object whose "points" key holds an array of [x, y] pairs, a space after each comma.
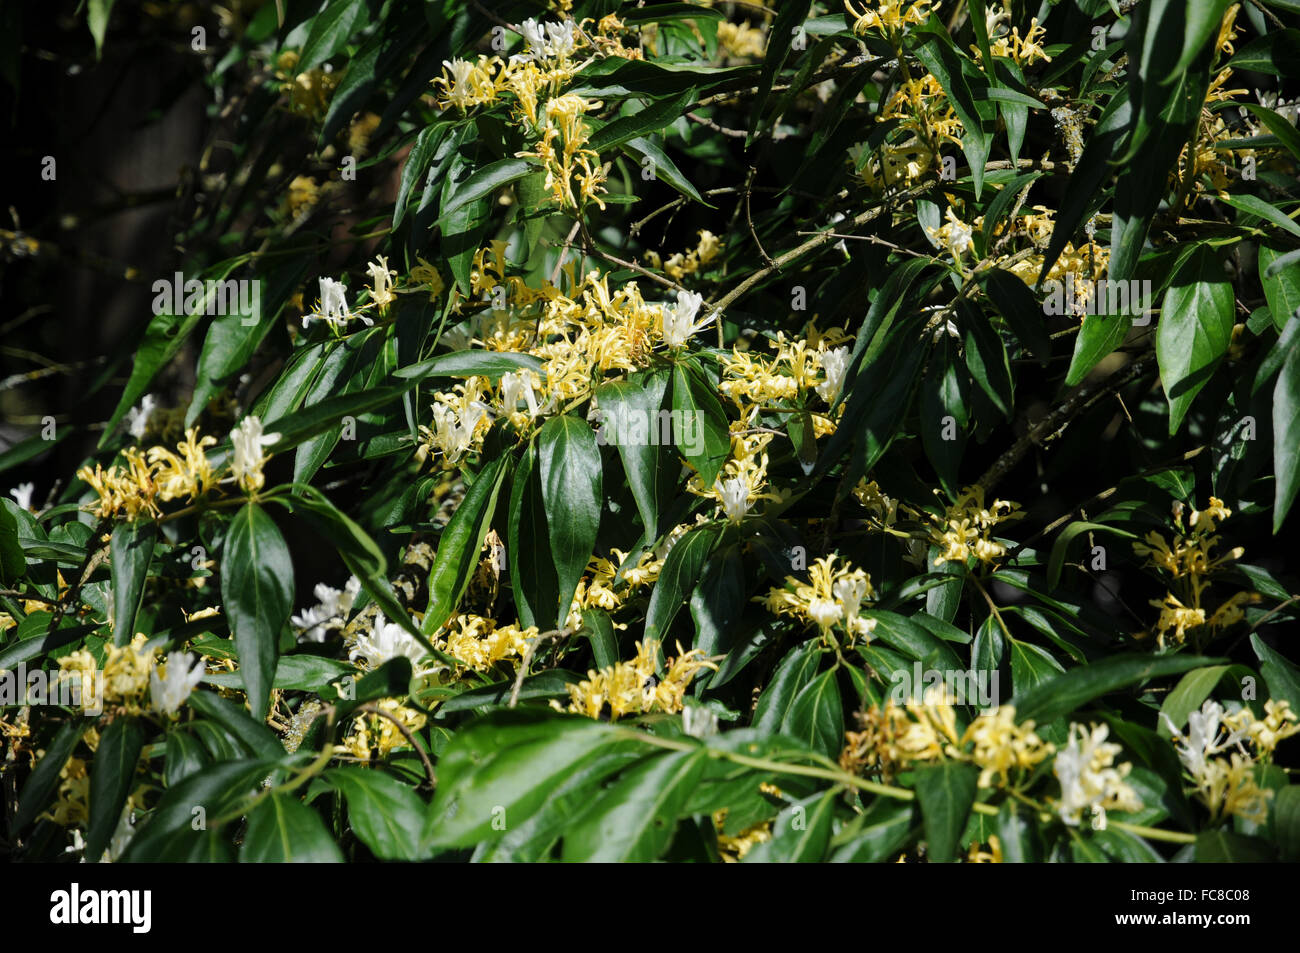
{"points": [[547, 40], [386, 641], [835, 365], [517, 386], [1089, 782], [850, 592], [333, 606], [333, 305], [247, 460], [825, 612], [137, 418], [22, 495], [679, 319], [733, 494], [184, 671], [1205, 738], [698, 721]]}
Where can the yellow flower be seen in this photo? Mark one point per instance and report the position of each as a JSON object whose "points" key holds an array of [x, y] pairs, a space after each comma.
{"points": [[830, 598], [632, 688], [381, 283], [186, 475], [889, 16], [1001, 746], [964, 529]]}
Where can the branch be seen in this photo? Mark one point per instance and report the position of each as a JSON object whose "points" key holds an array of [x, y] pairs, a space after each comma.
{"points": [[1054, 424]]}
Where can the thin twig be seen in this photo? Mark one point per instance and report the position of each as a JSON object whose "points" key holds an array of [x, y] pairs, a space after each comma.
{"points": [[414, 742]]}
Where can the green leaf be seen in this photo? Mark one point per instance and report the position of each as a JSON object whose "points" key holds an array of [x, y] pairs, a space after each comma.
{"points": [[1277, 125], [987, 358], [485, 180], [1286, 822], [97, 14], [1069, 691], [44, 779], [885, 828], [12, 562], [801, 833], [1223, 847], [571, 490], [634, 820], [131, 550], [796, 670], [816, 716], [945, 397], [1282, 678], [185, 755], [301, 425], [1281, 285], [1194, 331], [203, 796], [1203, 19], [460, 544], [650, 466], [1031, 666], [663, 167], [417, 163], [1061, 548], [252, 735], [1018, 835], [1016, 303], [1256, 207], [112, 776], [681, 571], [1192, 689], [1286, 428], [330, 30], [528, 541], [489, 364], [257, 593], [502, 768], [385, 813], [695, 401], [283, 830], [641, 121], [945, 792]]}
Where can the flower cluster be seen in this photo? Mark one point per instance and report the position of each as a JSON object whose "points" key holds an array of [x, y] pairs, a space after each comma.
{"points": [[1214, 755], [129, 672], [634, 688], [894, 737], [831, 598], [1091, 782], [1189, 558], [964, 529]]}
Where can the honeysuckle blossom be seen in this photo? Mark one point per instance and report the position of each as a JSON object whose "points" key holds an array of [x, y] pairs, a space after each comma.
{"points": [[679, 320], [1090, 782], [22, 495], [835, 365], [333, 307], [248, 458], [331, 610], [180, 674], [137, 418], [385, 641], [547, 41]]}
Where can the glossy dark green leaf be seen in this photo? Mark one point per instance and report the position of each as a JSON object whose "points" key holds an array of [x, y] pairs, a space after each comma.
{"points": [[816, 716], [386, 814], [1286, 437], [945, 792], [681, 571], [634, 820], [460, 544], [801, 833], [699, 416], [570, 468], [330, 30], [501, 769], [130, 551], [1194, 331], [1069, 691], [283, 830], [257, 595], [44, 779], [112, 778]]}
